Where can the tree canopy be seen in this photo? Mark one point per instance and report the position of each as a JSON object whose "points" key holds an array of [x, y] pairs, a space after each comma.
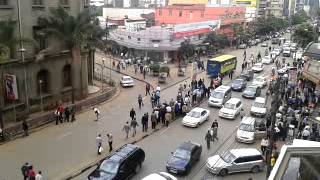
{"points": [[299, 18], [264, 26], [303, 34]]}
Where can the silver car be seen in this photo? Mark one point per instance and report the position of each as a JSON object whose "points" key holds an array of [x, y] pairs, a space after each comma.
{"points": [[236, 160]]}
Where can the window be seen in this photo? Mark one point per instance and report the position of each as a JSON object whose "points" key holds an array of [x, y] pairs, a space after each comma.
{"points": [[37, 2], [170, 12], [180, 13], [42, 81], [191, 15], [40, 37], [203, 113], [64, 2], [202, 13], [138, 39], [66, 75], [160, 12], [3, 2]]}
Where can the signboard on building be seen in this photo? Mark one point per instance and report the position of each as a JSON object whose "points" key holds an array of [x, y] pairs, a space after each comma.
{"points": [[11, 87]]}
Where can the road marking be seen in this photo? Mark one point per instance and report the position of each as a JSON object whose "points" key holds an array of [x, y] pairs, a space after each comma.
{"points": [[165, 130], [64, 135]]}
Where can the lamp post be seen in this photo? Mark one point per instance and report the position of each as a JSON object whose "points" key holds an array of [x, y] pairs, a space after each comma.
{"points": [[40, 91], [22, 50]]}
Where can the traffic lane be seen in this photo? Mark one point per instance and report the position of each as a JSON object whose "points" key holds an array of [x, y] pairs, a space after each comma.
{"points": [[159, 145]]}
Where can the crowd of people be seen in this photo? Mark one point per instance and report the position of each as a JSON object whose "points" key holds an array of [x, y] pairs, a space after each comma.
{"points": [[29, 173]]}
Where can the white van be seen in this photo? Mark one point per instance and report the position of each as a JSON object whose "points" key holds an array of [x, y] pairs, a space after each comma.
{"points": [[219, 96], [258, 107], [286, 52], [246, 130]]}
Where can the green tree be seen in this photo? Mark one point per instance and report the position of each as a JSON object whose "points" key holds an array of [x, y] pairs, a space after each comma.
{"points": [[185, 51], [299, 18], [75, 32], [303, 34], [216, 41]]}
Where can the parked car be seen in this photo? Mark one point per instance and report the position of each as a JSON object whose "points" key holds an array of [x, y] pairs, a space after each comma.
{"points": [[236, 160], [184, 157], [251, 92], [278, 51], [286, 52], [126, 81], [293, 47], [196, 117], [247, 74], [258, 67], [242, 46], [264, 44], [258, 107], [160, 176], [231, 108], [122, 164], [238, 84], [260, 81], [266, 60], [246, 130]]}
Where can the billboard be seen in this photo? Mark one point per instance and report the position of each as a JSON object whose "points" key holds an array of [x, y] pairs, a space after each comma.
{"points": [[248, 3], [11, 87]]}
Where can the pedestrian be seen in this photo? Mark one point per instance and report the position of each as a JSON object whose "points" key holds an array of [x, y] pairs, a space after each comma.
{"points": [[126, 129], [242, 113], [39, 176], [25, 170], [242, 67], [67, 115], [110, 141], [132, 114], [31, 173], [144, 73], [134, 125], [25, 128], [264, 144], [1, 134], [99, 143], [153, 118], [208, 139], [96, 112], [215, 124], [231, 74], [73, 113], [168, 117], [273, 161], [147, 89], [214, 133], [305, 133], [144, 122], [140, 101]]}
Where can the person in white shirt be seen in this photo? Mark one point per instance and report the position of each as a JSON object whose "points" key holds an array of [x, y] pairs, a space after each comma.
{"points": [[264, 144], [39, 176], [96, 112]]}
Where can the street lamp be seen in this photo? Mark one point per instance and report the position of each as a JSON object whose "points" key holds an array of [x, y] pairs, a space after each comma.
{"points": [[40, 91]]}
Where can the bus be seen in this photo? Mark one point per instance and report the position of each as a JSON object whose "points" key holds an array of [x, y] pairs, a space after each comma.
{"points": [[221, 65]]}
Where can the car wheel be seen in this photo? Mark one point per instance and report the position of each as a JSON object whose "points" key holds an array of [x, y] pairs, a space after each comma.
{"points": [[223, 172], [137, 169], [255, 169]]}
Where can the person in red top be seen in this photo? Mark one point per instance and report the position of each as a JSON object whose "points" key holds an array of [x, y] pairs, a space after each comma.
{"points": [[31, 173]]}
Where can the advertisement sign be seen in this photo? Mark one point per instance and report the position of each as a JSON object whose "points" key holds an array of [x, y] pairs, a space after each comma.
{"points": [[11, 87]]}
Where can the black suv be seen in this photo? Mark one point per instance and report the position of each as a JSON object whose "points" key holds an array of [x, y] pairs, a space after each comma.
{"points": [[185, 156], [122, 164]]}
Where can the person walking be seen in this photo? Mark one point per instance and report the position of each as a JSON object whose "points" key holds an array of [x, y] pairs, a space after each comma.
{"points": [[96, 112], [126, 129], [147, 89], [73, 114], [215, 123], [25, 128], [263, 145], [153, 118], [168, 117], [110, 141], [31, 173], [99, 143], [39, 176], [133, 125], [67, 115], [208, 139], [214, 133], [132, 114], [140, 101], [144, 73], [25, 170]]}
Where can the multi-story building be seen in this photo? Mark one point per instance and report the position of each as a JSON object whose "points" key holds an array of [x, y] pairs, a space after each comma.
{"points": [[262, 7], [275, 8], [289, 7], [299, 5], [172, 2], [247, 3], [48, 77]]}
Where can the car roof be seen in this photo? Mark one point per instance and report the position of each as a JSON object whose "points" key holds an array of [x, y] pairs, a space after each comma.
{"points": [[126, 77], [122, 153], [222, 88], [258, 64], [198, 109], [247, 120], [245, 152], [189, 145], [260, 100], [233, 100]]}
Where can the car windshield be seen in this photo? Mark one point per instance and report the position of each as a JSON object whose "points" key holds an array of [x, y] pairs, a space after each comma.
{"points": [[238, 81], [127, 79], [246, 127], [228, 157], [182, 154], [257, 65], [258, 105], [229, 105], [218, 95], [251, 88], [258, 79], [110, 167], [194, 114]]}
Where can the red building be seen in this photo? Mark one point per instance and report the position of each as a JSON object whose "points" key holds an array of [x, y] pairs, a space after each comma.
{"points": [[185, 14]]}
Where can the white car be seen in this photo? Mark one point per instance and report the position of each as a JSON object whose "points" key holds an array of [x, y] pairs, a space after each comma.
{"points": [[160, 176], [258, 67], [258, 107], [266, 60], [264, 44], [196, 117], [231, 108], [278, 51], [246, 130], [126, 81], [259, 81]]}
